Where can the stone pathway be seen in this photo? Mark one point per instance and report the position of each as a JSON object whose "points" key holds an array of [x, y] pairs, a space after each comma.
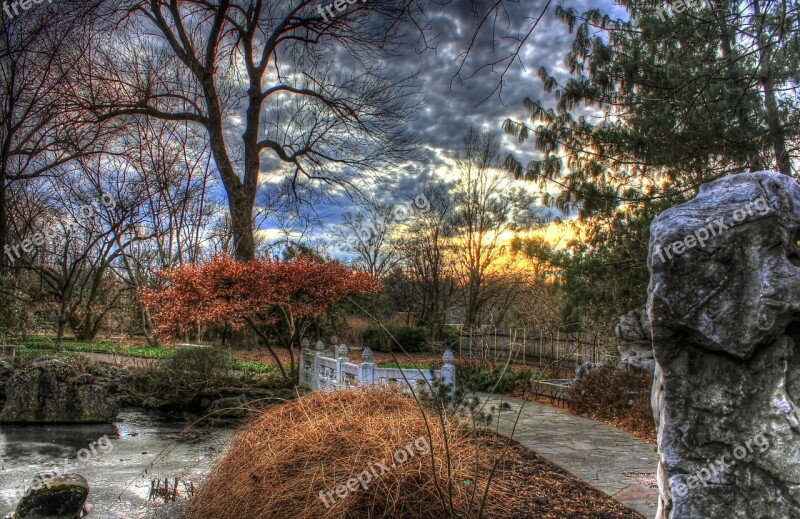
{"points": [[121, 360], [609, 459]]}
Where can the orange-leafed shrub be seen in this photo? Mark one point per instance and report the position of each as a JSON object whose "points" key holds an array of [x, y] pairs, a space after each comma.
{"points": [[226, 291], [263, 293]]}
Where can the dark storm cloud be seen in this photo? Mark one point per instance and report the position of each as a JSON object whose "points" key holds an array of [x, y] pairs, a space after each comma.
{"points": [[455, 99], [454, 102]]}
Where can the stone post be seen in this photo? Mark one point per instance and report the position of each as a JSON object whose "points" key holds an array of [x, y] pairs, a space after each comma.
{"points": [[302, 377], [319, 346], [366, 372], [333, 344], [342, 358], [724, 310], [449, 369]]}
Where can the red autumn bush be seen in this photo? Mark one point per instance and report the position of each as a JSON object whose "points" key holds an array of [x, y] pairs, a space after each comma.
{"points": [[260, 293]]}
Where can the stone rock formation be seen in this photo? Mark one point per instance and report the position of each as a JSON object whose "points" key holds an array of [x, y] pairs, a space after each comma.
{"points": [[6, 370], [51, 391], [725, 317], [62, 497], [584, 368], [635, 344]]}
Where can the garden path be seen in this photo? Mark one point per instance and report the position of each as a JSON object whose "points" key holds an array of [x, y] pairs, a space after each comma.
{"points": [[607, 458]]}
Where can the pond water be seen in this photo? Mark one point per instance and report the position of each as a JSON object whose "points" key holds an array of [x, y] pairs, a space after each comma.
{"points": [[141, 447]]}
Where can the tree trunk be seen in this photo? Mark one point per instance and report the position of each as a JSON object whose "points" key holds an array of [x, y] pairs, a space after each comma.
{"points": [[61, 325], [776, 133], [91, 327], [4, 262], [269, 347], [777, 136], [149, 328], [242, 228], [241, 195]]}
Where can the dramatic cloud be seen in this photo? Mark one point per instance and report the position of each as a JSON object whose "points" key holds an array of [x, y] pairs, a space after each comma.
{"points": [[461, 93]]}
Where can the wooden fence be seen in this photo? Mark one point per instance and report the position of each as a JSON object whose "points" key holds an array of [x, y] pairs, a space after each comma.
{"points": [[532, 347]]}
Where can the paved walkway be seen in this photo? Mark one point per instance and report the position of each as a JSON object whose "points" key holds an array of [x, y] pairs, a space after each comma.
{"points": [[121, 360], [609, 459]]}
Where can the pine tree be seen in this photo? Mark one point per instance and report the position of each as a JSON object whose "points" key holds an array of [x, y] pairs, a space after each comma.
{"points": [[656, 104], [681, 98]]}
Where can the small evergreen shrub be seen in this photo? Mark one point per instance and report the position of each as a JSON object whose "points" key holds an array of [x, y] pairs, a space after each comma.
{"points": [[451, 337], [411, 339], [459, 401], [500, 379]]}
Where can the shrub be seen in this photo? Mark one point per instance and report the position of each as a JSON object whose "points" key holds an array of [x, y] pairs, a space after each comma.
{"points": [[180, 379], [281, 462], [411, 339], [459, 401], [618, 396], [451, 337], [207, 365], [476, 377]]}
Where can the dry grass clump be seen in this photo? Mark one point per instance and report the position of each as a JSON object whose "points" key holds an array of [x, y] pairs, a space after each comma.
{"points": [[281, 461]]}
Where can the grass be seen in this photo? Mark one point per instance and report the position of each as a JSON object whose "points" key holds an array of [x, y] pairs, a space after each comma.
{"points": [[282, 461], [44, 345], [369, 454], [256, 367], [24, 354]]}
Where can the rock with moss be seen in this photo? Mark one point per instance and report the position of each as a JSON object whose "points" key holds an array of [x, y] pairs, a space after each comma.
{"points": [[52, 391], [63, 497]]}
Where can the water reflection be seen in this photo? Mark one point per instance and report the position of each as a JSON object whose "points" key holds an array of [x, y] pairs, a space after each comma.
{"points": [[145, 447]]}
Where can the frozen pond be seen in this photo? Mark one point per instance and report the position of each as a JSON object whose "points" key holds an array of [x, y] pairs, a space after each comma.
{"points": [[143, 447]]}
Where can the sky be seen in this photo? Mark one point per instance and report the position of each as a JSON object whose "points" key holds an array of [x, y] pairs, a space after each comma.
{"points": [[455, 101]]}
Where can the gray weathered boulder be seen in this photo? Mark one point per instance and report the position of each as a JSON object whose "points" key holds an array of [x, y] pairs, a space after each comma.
{"points": [[52, 391], [584, 368], [62, 497], [724, 307], [634, 340]]}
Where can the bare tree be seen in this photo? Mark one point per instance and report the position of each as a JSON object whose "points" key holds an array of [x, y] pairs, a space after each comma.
{"points": [[67, 242], [367, 236], [43, 128], [160, 181], [276, 86], [488, 207], [428, 260]]}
